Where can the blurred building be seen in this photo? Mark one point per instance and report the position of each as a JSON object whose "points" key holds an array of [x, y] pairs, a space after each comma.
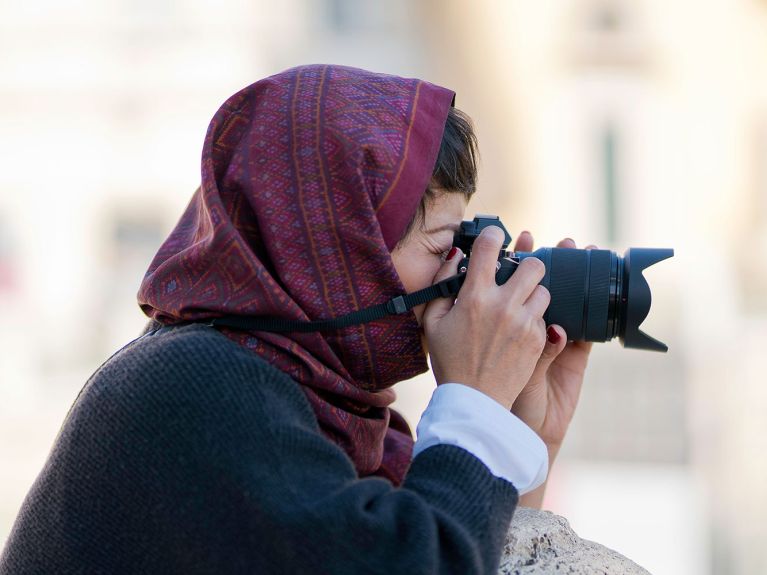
{"points": [[620, 123], [642, 124]]}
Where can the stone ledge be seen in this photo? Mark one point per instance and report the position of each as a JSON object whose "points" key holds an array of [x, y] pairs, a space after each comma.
{"points": [[541, 542]]}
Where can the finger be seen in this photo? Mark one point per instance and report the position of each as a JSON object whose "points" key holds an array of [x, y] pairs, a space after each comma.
{"points": [[556, 340], [584, 346], [566, 243], [437, 308], [538, 301], [524, 242], [523, 281], [484, 257], [591, 247]]}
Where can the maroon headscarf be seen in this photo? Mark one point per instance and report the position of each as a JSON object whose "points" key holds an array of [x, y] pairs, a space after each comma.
{"points": [[309, 178]]}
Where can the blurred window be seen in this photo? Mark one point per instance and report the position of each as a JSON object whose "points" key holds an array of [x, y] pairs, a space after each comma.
{"points": [[761, 175], [354, 16], [609, 150], [8, 278], [606, 17]]}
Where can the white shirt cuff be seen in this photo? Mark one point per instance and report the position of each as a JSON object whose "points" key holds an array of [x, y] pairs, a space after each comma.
{"points": [[461, 415]]}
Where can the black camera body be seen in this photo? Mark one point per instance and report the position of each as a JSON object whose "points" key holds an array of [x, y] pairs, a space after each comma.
{"points": [[596, 295]]}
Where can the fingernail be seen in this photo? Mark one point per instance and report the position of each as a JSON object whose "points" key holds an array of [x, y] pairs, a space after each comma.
{"points": [[451, 253], [552, 335]]}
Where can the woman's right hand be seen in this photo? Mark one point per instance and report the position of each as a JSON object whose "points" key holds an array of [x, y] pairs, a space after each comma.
{"points": [[492, 337]]}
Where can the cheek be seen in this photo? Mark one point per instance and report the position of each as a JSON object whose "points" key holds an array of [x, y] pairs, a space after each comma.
{"points": [[417, 271], [427, 268]]}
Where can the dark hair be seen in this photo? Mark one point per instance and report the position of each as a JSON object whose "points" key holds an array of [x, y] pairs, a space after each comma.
{"points": [[456, 169]]}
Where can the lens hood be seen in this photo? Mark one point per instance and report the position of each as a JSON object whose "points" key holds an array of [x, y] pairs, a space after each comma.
{"points": [[636, 298]]}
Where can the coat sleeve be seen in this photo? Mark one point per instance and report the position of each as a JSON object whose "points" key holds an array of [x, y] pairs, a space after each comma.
{"points": [[196, 461]]}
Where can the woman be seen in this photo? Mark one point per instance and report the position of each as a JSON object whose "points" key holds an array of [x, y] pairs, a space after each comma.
{"points": [[201, 449]]}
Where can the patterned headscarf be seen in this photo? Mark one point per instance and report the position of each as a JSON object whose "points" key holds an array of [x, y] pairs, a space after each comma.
{"points": [[309, 179]]}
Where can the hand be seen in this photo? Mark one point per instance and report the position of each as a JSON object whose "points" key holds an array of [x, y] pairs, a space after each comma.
{"points": [[492, 337], [547, 403]]}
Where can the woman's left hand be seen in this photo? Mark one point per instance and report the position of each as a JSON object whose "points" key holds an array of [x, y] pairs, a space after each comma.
{"points": [[548, 401]]}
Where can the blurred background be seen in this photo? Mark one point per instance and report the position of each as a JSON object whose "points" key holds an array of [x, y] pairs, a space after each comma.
{"points": [[619, 123]]}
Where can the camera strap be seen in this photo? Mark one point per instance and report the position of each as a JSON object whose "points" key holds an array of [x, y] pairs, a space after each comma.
{"points": [[397, 305]]}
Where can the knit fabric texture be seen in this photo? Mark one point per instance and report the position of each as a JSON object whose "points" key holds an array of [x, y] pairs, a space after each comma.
{"points": [[187, 453]]}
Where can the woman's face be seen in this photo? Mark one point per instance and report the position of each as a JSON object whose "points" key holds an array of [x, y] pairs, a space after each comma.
{"points": [[418, 258]]}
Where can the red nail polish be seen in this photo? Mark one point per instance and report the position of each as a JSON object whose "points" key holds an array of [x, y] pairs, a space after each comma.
{"points": [[452, 252], [552, 335]]}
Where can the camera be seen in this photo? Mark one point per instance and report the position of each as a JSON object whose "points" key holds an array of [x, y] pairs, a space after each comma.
{"points": [[596, 295]]}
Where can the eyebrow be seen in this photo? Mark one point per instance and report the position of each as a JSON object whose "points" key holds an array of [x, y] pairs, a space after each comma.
{"points": [[451, 227]]}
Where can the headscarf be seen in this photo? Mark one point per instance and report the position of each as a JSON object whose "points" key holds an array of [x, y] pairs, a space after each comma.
{"points": [[309, 179]]}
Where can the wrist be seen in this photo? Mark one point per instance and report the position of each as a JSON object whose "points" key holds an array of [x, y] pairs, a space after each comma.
{"points": [[492, 393], [534, 498], [553, 450]]}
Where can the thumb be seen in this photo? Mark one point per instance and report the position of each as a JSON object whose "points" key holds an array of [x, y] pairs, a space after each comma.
{"points": [[556, 340], [436, 309]]}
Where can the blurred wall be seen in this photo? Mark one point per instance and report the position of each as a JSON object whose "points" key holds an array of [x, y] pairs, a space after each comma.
{"points": [[619, 123]]}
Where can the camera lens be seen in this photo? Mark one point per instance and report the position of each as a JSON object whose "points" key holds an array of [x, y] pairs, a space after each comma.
{"points": [[597, 295]]}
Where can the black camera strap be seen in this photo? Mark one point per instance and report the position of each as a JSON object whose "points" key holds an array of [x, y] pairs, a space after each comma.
{"points": [[397, 305]]}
